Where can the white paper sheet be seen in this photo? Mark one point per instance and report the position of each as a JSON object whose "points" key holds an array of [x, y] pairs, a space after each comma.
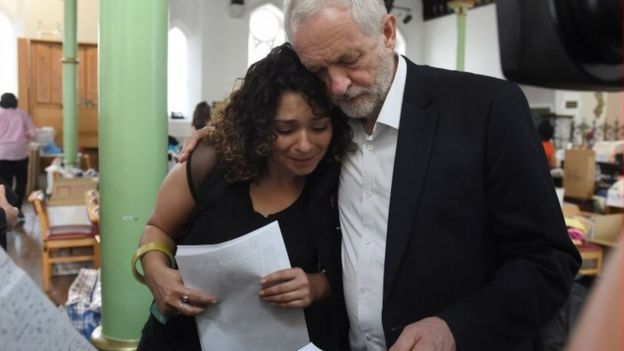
{"points": [[28, 319], [231, 271]]}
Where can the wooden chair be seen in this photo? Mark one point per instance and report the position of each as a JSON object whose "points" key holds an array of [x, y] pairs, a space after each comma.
{"points": [[67, 237], [92, 202], [85, 161]]}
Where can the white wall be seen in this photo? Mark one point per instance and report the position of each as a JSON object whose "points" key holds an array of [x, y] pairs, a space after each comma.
{"points": [[42, 19], [539, 97], [414, 31], [217, 49], [587, 102], [8, 58], [27, 14], [482, 50], [224, 47], [184, 14]]}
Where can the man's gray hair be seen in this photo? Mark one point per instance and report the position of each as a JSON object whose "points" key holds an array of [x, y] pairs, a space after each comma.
{"points": [[367, 14]]}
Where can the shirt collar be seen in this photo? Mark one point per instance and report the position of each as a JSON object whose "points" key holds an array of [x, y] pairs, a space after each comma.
{"points": [[390, 113]]}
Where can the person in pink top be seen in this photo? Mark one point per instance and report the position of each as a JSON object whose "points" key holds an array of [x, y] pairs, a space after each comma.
{"points": [[16, 130]]}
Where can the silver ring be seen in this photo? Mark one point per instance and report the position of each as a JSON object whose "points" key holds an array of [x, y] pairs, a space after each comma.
{"points": [[185, 298], [182, 303]]}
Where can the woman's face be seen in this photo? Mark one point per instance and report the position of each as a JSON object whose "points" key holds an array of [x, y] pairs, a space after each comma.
{"points": [[302, 138]]}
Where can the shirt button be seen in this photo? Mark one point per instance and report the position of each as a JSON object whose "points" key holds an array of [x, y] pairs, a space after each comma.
{"points": [[367, 242], [369, 337], [362, 291], [370, 147], [369, 194]]}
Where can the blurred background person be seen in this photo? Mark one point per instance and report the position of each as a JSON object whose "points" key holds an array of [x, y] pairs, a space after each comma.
{"points": [[16, 131], [546, 132], [201, 115]]}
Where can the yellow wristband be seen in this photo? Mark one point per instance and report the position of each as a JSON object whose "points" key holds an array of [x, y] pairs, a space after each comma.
{"points": [[141, 251]]}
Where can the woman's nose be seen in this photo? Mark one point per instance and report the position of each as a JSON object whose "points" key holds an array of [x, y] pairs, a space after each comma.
{"points": [[304, 143]]}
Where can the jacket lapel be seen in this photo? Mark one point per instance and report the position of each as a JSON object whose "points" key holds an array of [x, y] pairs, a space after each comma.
{"points": [[415, 140]]}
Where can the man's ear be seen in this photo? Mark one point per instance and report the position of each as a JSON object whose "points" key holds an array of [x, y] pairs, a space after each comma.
{"points": [[388, 31]]}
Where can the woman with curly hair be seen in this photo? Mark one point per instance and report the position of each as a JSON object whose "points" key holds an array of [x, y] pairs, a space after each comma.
{"points": [[273, 156]]}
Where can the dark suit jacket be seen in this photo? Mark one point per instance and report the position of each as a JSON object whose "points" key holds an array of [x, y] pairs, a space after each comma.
{"points": [[475, 231]]}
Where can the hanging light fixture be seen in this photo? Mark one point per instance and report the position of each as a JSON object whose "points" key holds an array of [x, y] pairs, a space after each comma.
{"points": [[237, 8]]}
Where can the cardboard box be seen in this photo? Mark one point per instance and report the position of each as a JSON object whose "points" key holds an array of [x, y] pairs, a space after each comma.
{"points": [[607, 228], [592, 255], [71, 191], [579, 172], [570, 209]]}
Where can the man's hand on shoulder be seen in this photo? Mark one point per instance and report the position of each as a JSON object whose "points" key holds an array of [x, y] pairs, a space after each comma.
{"points": [[429, 334], [191, 142], [9, 211]]}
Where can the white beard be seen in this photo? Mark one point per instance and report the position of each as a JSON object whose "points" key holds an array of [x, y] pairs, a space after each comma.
{"points": [[370, 98]]}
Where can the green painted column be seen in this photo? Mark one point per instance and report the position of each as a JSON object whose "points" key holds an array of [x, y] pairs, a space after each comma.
{"points": [[133, 154], [461, 10], [70, 125], [461, 39]]}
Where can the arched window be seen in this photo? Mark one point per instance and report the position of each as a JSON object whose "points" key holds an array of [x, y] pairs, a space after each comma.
{"points": [[8, 58], [266, 31], [400, 43], [177, 73]]}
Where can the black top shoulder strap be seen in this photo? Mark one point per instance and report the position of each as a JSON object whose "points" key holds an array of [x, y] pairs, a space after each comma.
{"points": [[204, 176]]}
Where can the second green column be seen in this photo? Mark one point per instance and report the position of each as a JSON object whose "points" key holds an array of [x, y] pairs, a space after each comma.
{"points": [[133, 151]]}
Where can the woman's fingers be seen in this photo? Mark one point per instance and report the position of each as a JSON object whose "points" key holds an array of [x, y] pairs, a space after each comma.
{"points": [[197, 297], [188, 309], [284, 281], [189, 302], [279, 277], [173, 297], [281, 288], [285, 296], [293, 304], [286, 288]]}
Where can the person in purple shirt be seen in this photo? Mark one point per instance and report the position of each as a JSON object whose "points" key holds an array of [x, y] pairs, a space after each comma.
{"points": [[16, 131]]}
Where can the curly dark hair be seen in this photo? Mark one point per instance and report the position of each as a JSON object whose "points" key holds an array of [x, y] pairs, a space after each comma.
{"points": [[244, 131]]}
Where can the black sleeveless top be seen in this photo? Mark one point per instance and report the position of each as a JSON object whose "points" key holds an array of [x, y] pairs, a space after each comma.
{"points": [[312, 242]]}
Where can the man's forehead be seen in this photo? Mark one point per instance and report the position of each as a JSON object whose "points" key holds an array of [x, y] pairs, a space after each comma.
{"points": [[315, 59], [325, 39]]}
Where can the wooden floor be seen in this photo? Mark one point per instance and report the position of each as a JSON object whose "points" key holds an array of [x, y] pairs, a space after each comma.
{"points": [[24, 247]]}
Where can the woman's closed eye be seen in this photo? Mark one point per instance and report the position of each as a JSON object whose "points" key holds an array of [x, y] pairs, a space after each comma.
{"points": [[319, 126], [284, 130], [284, 127]]}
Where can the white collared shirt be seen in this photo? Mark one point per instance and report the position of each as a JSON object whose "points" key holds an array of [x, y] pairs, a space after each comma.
{"points": [[364, 201]]}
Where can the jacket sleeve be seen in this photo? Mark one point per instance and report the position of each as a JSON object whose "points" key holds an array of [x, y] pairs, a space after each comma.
{"points": [[538, 261]]}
